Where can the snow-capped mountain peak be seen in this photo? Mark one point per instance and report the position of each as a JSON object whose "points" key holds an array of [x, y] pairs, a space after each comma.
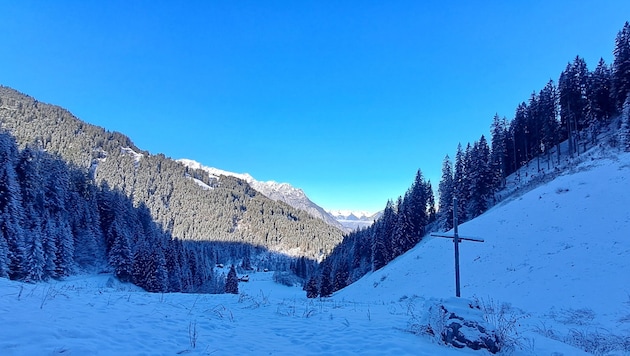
{"points": [[354, 220]]}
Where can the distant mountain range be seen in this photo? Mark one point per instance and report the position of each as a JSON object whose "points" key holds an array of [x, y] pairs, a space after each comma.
{"points": [[354, 220], [295, 197]]}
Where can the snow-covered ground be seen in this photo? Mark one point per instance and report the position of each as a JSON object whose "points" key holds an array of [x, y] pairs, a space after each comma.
{"points": [[556, 258]]}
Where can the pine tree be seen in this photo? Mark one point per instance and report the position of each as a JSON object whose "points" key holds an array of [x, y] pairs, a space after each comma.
{"points": [[601, 104], [29, 175], [120, 256], [311, 288], [548, 111], [246, 263], [85, 221], [480, 179], [460, 178], [173, 266], [498, 158], [432, 214], [573, 89], [446, 191], [34, 264], [534, 125], [382, 232], [402, 230], [64, 259], [519, 129], [11, 210], [621, 67], [4, 254], [416, 202], [48, 235], [341, 276], [326, 286], [624, 132], [231, 283]]}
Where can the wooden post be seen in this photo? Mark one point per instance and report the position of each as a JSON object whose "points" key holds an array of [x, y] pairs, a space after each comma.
{"points": [[456, 242]]}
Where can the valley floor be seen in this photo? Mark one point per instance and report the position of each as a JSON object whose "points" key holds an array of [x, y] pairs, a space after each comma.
{"points": [[96, 315]]}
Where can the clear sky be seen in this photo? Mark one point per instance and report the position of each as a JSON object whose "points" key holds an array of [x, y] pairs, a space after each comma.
{"points": [[344, 99]]}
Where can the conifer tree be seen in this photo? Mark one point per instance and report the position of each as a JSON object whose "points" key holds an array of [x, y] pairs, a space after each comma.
{"points": [[601, 104], [621, 66], [499, 156], [624, 132], [120, 255], [573, 89], [4, 255], [534, 125], [382, 232], [480, 179], [326, 285], [431, 213], [416, 202], [84, 221], [29, 175], [34, 263], [341, 275], [231, 283], [446, 192], [11, 210], [548, 112], [311, 288], [518, 128]]}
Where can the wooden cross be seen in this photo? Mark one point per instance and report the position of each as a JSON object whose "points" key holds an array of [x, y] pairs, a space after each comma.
{"points": [[456, 238]]}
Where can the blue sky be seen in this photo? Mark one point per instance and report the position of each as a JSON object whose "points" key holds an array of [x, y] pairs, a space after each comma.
{"points": [[346, 100]]}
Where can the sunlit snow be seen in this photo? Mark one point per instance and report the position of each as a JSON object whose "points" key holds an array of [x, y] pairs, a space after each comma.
{"points": [[556, 257]]}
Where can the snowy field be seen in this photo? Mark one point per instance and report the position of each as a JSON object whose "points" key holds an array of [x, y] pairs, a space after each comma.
{"points": [[555, 261]]}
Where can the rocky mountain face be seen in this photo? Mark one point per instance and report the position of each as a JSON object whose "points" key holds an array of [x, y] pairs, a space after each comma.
{"points": [[189, 203]]}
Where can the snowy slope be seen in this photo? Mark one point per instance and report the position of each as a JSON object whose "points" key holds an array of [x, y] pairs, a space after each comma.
{"points": [[560, 253], [273, 190]]}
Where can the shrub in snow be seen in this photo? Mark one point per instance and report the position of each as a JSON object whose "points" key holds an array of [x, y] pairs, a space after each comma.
{"points": [[503, 319]]}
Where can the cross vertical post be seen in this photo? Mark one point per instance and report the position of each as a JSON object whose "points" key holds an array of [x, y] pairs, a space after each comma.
{"points": [[456, 242]]}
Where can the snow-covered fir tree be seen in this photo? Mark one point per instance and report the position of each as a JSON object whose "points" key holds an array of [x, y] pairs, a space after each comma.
{"points": [[621, 67], [231, 283], [624, 132]]}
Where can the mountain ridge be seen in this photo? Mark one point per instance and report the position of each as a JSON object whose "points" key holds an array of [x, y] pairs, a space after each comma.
{"points": [[225, 210], [284, 192]]}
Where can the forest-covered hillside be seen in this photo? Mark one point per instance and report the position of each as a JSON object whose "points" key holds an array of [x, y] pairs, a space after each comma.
{"points": [[555, 125], [187, 203]]}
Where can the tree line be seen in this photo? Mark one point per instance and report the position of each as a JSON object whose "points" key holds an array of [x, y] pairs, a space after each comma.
{"points": [[575, 111], [401, 227]]}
